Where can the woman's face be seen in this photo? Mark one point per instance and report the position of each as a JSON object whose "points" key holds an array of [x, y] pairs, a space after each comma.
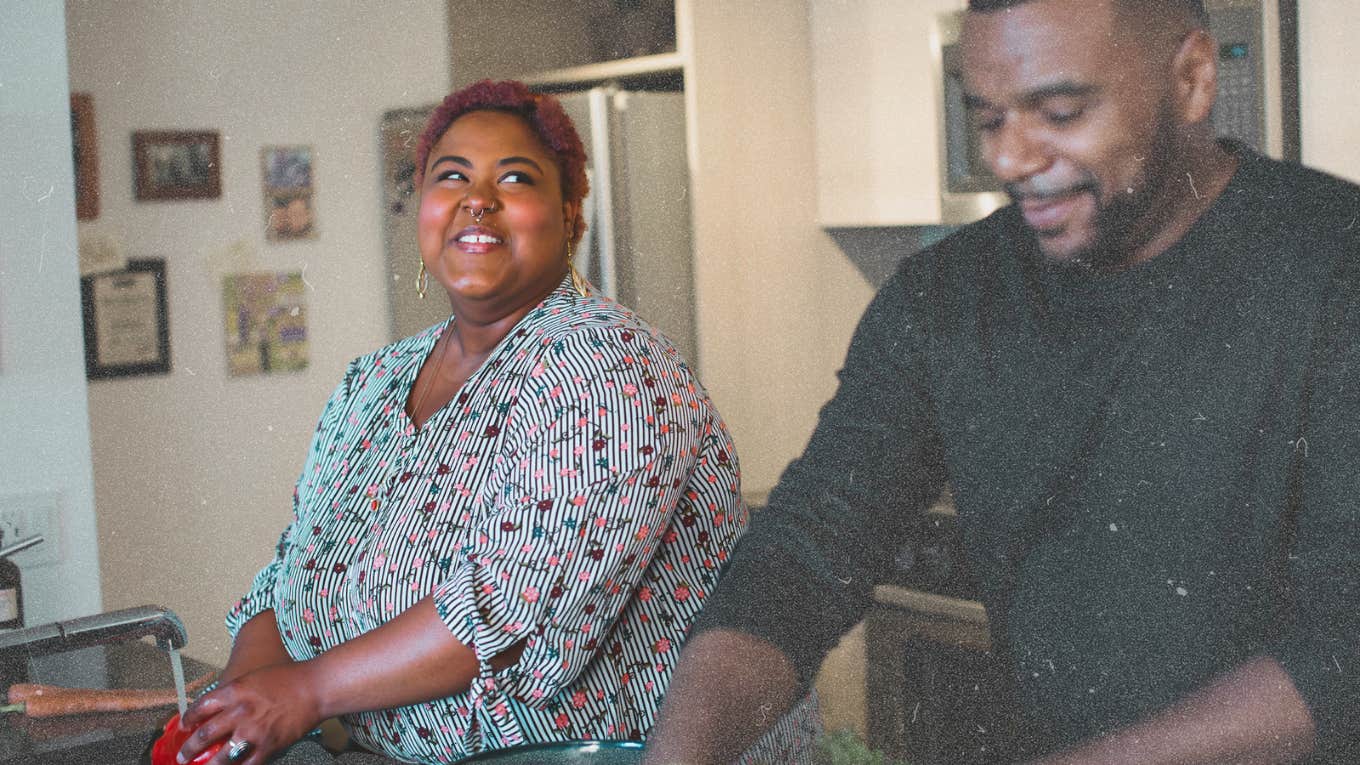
{"points": [[517, 254]]}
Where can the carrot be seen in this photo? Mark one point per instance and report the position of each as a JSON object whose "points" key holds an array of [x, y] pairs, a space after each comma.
{"points": [[55, 700]]}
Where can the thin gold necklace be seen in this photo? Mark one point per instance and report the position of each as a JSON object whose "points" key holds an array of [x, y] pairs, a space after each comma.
{"points": [[438, 365]]}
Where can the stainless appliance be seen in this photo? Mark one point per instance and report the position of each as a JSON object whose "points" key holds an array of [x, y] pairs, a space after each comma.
{"points": [[968, 191], [637, 246], [1257, 102]]}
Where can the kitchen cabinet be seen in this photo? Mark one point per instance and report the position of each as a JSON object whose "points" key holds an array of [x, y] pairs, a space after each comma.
{"points": [[565, 45], [877, 96], [937, 695]]}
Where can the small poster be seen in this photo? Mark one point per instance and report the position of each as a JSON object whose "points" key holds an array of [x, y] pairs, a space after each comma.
{"points": [[287, 172], [266, 323]]}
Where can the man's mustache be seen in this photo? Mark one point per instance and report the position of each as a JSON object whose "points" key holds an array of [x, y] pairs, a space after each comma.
{"points": [[1039, 190]]}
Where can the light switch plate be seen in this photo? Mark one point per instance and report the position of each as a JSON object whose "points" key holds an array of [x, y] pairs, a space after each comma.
{"points": [[24, 514]]}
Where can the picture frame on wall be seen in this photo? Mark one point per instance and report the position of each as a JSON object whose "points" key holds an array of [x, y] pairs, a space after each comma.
{"points": [[265, 322], [127, 328], [169, 165], [84, 156], [288, 211]]}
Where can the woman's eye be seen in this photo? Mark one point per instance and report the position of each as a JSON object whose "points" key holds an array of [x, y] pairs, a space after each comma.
{"points": [[449, 175], [517, 176]]}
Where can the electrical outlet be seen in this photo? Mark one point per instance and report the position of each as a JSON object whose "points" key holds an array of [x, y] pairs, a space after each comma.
{"points": [[26, 514]]}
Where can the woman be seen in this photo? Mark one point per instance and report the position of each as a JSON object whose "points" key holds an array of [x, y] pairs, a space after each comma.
{"points": [[505, 523]]}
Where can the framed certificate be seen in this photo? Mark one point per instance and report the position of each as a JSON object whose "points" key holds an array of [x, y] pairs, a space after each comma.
{"points": [[127, 331]]}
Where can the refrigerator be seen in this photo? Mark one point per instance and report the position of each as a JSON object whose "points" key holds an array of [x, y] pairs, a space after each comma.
{"points": [[638, 245]]}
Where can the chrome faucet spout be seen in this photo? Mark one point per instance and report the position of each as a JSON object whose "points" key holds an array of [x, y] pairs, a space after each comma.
{"points": [[99, 629]]}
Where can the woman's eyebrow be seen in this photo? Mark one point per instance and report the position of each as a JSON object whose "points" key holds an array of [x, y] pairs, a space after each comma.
{"points": [[518, 160], [454, 158], [465, 162]]}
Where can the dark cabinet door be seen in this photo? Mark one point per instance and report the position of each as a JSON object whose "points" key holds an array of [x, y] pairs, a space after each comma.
{"points": [[936, 694]]}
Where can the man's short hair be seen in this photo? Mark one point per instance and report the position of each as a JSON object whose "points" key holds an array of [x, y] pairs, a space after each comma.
{"points": [[1193, 8]]}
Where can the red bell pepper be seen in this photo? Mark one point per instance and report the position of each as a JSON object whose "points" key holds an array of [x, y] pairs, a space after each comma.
{"points": [[164, 751]]}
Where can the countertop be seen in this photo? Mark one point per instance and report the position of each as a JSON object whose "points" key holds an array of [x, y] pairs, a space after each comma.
{"points": [[104, 738]]}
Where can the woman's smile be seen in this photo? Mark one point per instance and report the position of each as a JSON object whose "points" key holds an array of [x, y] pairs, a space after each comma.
{"points": [[477, 240]]}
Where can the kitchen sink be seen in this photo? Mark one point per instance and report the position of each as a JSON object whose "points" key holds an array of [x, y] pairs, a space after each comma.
{"points": [[93, 652]]}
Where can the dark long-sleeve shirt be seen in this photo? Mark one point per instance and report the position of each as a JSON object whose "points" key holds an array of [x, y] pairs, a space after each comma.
{"points": [[1157, 472]]}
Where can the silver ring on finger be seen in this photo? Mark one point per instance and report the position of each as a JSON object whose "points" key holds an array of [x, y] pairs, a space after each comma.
{"points": [[237, 750]]}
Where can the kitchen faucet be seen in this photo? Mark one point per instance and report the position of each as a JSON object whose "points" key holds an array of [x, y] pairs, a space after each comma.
{"points": [[99, 629]]}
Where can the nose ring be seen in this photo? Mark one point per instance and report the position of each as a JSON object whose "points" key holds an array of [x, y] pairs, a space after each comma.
{"points": [[480, 211]]}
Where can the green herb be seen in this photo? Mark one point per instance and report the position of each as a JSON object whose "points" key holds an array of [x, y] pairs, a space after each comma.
{"points": [[843, 747]]}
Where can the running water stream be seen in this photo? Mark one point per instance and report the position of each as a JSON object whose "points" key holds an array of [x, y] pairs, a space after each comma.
{"points": [[177, 667]]}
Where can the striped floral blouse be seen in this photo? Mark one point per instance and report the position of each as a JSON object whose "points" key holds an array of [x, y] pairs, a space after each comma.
{"points": [[580, 493]]}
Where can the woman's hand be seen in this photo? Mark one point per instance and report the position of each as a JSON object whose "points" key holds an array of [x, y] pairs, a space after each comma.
{"points": [[270, 708]]}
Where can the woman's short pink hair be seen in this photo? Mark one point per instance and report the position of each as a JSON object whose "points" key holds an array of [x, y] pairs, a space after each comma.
{"points": [[543, 114]]}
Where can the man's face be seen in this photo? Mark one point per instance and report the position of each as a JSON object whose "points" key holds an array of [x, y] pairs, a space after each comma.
{"points": [[1074, 118]]}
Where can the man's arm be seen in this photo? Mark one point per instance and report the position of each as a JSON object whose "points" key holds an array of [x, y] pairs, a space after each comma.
{"points": [[804, 573], [729, 688], [1251, 715]]}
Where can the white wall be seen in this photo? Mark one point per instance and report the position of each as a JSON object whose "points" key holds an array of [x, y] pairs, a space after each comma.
{"points": [[1328, 107], [777, 301], [194, 470], [44, 430]]}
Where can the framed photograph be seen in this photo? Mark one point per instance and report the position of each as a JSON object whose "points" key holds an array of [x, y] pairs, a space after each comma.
{"points": [[176, 165], [287, 173], [84, 156], [127, 331]]}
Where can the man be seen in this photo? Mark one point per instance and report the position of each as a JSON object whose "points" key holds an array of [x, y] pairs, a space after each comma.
{"points": [[1141, 381]]}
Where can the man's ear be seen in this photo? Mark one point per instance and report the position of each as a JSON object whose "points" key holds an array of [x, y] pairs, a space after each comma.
{"points": [[1194, 73]]}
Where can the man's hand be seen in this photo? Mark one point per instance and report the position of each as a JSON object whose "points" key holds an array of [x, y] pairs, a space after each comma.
{"points": [[1249, 716]]}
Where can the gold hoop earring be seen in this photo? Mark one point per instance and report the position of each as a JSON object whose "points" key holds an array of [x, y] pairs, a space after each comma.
{"points": [[579, 282], [422, 281]]}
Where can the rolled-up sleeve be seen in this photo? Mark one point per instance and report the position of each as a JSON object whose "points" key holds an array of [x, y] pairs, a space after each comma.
{"points": [[1320, 648], [261, 596], [612, 429]]}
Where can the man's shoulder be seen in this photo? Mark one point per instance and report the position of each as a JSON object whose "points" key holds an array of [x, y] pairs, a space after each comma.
{"points": [[1302, 198]]}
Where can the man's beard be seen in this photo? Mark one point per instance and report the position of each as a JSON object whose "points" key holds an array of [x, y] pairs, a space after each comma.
{"points": [[1129, 219]]}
